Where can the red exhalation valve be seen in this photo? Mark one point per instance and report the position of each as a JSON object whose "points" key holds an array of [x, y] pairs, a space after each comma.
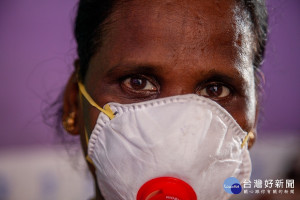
{"points": [[166, 188]]}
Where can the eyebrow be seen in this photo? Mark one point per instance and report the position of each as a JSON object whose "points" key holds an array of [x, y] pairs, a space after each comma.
{"points": [[214, 74], [235, 78], [134, 68]]}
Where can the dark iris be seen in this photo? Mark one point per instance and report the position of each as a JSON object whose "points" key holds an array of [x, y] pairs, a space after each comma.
{"points": [[138, 83], [214, 90]]}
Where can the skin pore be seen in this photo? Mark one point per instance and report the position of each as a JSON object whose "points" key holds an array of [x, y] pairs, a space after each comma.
{"points": [[155, 49]]}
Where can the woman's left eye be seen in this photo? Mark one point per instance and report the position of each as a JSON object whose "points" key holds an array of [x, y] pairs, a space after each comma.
{"points": [[215, 90], [139, 84]]}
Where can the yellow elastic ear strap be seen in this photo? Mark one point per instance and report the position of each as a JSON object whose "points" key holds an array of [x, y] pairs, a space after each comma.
{"points": [[87, 142], [106, 109], [250, 134]]}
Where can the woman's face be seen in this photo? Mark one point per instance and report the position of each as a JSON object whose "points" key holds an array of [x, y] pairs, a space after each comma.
{"points": [[155, 49]]}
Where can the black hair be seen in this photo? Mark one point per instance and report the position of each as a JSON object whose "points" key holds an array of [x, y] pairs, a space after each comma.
{"points": [[259, 18], [89, 21]]}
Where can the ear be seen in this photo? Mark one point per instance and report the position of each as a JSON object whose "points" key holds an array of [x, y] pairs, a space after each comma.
{"points": [[71, 106]]}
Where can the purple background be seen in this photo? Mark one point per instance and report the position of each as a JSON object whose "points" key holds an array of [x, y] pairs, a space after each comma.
{"points": [[37, 50]]}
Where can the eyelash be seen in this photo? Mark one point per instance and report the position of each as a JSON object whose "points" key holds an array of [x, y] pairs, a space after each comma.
{"points": [[212, 83], [137, 92], [152, 81]]}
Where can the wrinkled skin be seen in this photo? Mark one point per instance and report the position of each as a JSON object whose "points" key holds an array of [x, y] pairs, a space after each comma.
{"points": [[155, 49]]}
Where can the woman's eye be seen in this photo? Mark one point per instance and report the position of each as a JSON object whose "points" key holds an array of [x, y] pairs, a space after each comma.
{"points": [[139, 84], [215, 91]]}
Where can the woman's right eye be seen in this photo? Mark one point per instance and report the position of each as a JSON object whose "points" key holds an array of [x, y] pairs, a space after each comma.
{"points": [[140, 85]]}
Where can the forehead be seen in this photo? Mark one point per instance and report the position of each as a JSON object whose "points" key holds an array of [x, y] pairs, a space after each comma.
{"points": [[159, 31]]}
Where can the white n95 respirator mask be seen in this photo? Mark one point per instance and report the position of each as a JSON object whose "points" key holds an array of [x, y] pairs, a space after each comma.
{"points": [[180, 148]]}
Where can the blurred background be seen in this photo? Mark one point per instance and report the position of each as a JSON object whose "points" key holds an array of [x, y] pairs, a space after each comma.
{"points": [[37, 51]]}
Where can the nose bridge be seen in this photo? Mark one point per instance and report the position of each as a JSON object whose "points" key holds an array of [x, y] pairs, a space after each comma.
{"points": [[177, 87]]}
